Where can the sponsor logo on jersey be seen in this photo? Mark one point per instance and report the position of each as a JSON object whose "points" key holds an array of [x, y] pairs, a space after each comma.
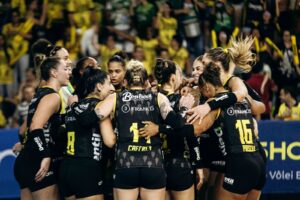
{"points": [[96, 142], [70, 119], [197, 151], [39, 143], [220, 98], [128, 96], [84, 106], [139, 108], [125, 108], [230, 181], [33, 100], [231, 111], [218, 163], [219, 132]]}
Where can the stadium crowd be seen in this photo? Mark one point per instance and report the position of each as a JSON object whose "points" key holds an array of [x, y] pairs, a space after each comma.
{"points": [[178, 30]]}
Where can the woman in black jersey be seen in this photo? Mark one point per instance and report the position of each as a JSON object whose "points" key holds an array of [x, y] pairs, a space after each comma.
{"points": [[139, 161], [245, 167], [81, 171], [116, 70], [33, 168], [179, 153], [212, 156]]}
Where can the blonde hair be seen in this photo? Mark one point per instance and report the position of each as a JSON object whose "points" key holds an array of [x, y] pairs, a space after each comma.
{"points": [[136, 73], [238, 52]]}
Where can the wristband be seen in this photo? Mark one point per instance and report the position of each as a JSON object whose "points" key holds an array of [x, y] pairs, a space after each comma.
{"points": [[223, 101], [186, 131], [21, 138], [39, 142], [174, 120], [253, 94], [162, 128], [198, 162]]}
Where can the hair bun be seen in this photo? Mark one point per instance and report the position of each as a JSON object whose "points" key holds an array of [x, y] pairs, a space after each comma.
{"points": [[163, 70], [135, 65]]}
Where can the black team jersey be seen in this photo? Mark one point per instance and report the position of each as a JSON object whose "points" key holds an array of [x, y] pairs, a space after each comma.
{"points": [[84, 139], [212, 145], [50, 129], [177, 149], [256, 97], [237, 124], [132, 108]]}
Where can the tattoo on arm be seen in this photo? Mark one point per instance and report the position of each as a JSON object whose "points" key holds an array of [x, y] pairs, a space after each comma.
{"points": [[164, 107], [99, 114]]}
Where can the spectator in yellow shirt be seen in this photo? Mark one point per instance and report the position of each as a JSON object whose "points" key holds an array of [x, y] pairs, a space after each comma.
{"points": [[55, 20], [149, 44], [107, 50], [166, 24], [70, 41], [80, 13], [20, 5], [289, 108], [179, 54], [139, 54], [6, 71]]}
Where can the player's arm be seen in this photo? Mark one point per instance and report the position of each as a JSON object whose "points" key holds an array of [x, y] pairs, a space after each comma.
{"points": [[206, 123], [105, 107], [107, 132], [167, 113]]}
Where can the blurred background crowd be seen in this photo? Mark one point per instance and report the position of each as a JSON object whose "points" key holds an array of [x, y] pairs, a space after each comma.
{"points": [[179, 30]]}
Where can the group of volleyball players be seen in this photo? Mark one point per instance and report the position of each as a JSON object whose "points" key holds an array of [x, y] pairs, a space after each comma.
{"points": [[164, 144]]}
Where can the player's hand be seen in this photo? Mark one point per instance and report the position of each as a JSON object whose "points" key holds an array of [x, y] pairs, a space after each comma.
{"points": [[198, 112], [201, 178], [150, 129], [187, 101], [17, 148], [45, 164]]}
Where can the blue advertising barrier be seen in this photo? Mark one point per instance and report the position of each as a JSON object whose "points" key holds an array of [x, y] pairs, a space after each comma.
{"points": [[8, 185], [280, 139]]}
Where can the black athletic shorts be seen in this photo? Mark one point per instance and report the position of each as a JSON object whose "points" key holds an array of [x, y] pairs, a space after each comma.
{"points": [[244, 172], [262, 151], [26, 166], [211, 155], [179, 178], [81, 177], [149, 178]]}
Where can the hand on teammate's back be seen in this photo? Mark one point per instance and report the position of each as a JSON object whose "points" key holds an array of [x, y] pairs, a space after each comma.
{"points": [[150, 129]]}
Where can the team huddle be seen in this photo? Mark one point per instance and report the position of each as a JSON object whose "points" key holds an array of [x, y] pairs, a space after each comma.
{"points": [[162, 138]]}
